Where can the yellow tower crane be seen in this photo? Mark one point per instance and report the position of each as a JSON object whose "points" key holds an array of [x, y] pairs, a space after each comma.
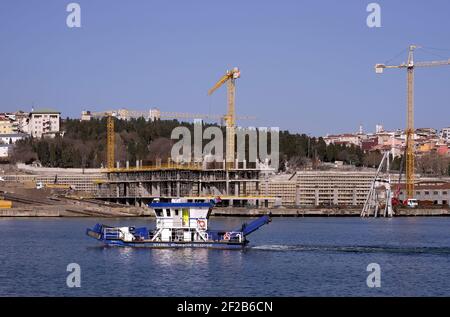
{"points": [[410, 65], [230, 118], [110, 141]]}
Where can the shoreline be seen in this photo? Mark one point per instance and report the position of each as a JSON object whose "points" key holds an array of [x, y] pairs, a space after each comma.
{"points": [[326, 212], [71, 211]]}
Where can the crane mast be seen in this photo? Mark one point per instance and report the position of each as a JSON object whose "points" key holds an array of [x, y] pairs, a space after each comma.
{"points": [[110, 142], [410, 148], [230, 118], [410, 162]]}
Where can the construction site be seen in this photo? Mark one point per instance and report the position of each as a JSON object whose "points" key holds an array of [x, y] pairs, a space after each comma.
{"points": [[242, 188]]}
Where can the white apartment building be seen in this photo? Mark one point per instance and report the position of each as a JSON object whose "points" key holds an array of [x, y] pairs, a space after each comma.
{"points": [[154, 114], [86, 115], [346, 138], [445, 134], [44, 122], [6, 126]]}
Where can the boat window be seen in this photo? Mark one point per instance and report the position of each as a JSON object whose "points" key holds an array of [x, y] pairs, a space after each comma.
{"points": [[177, 212], [168, 212], [158, 212]]}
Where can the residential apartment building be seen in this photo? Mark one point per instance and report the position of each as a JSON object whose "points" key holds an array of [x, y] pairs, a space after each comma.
{"points": [[6, 126], [445, 134], [44, 122]]}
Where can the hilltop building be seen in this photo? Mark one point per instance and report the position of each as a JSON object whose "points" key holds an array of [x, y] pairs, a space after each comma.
{"points": [[427, 140], [44, 123]]}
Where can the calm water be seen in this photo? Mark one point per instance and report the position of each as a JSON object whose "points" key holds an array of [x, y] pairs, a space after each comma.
{"points": [[289, 257]]}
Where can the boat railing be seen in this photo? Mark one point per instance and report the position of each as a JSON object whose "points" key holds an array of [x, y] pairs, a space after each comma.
{"points": [[111, 233], [230, 236], [233, 236]]}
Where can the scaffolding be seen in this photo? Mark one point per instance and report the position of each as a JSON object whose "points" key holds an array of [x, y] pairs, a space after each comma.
{"points": [[379, 198], [140, 184]]}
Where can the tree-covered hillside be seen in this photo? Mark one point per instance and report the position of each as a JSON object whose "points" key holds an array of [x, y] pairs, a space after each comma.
{"points": [[84, 145]]}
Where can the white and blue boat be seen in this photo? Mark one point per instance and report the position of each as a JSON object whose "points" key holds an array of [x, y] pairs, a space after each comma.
{"points": [[178, 225]]}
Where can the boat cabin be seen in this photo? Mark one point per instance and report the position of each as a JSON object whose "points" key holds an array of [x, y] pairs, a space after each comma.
{"points": [[182, 221]]}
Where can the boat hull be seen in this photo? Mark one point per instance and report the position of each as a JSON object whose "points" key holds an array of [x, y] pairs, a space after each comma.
{"points": [[175, 245], [173, 237]]}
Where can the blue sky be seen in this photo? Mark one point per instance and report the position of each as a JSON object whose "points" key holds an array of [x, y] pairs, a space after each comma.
{"points": [[306, 66]]}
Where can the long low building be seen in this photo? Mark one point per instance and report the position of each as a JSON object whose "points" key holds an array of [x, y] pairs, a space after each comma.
{"points": [[321, 188], [80, 182], [343, 188], [434, 192]]}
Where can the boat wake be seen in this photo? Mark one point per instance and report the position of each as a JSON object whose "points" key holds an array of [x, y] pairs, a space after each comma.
{"points": [[354, 249]]}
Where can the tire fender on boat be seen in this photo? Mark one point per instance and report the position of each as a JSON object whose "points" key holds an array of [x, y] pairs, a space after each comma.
{"points": [[201, 224]]}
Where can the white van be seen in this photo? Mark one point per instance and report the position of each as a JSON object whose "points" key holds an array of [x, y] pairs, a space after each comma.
{"points": [[412, 203]]}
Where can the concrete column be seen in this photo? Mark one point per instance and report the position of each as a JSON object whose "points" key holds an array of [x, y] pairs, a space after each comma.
{"points": [[354, 197], [335, 196], [316, 196], [227, 182], [128, 164], [297, 195], [155, 190], [140, 189], [244, 162], [178, 184]]}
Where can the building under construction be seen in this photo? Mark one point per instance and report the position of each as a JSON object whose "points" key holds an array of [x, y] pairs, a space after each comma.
{"points": [[139, 185]]}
